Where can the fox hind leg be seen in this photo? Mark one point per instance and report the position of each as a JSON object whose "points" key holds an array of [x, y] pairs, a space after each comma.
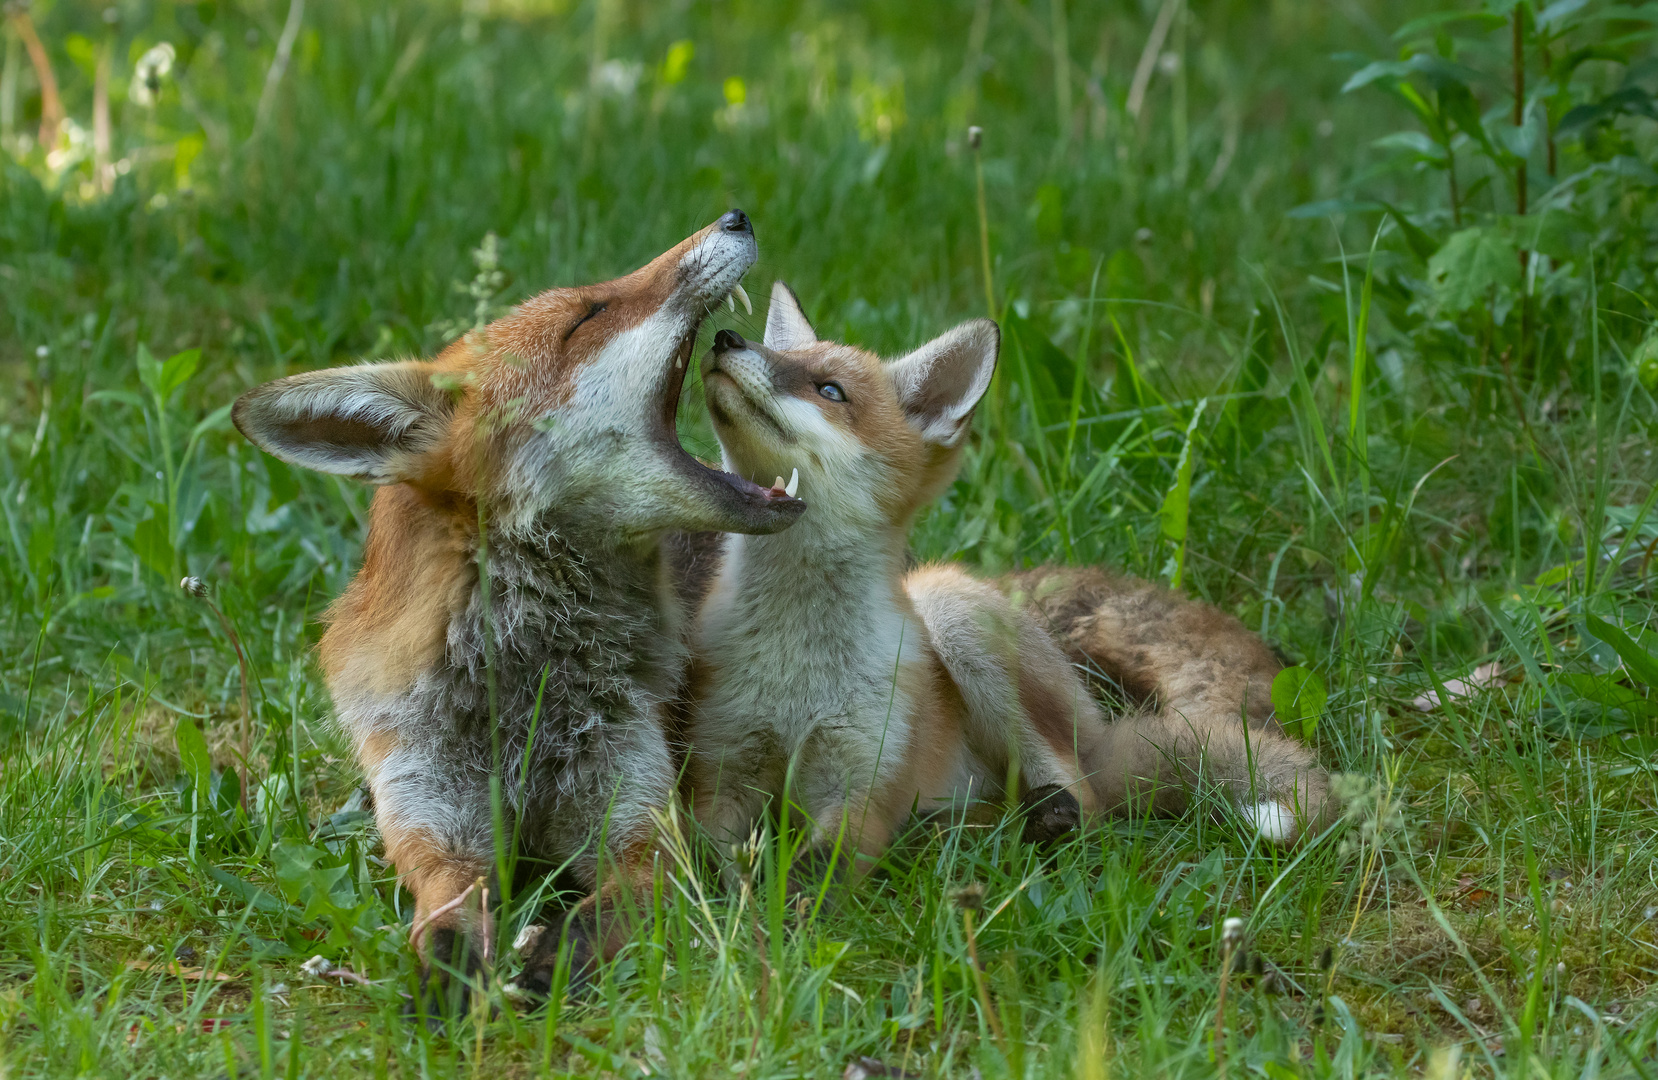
{"points": [[1206, 684], [1026, 711]]}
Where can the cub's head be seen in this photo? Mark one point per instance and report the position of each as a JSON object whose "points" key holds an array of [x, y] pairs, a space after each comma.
{"points": [[561, 411], [873, 442]]}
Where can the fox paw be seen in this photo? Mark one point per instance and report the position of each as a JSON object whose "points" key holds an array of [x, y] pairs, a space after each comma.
{"points": [[540, 949], [446, 982], [1051, 814]]}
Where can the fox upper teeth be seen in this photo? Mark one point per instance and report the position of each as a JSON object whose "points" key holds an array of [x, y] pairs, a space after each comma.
{"points": [[737, 291], [730, 304], [794, 483]]}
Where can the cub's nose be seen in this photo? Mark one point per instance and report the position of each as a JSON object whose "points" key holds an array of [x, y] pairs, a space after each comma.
{"points": [[726, 340], [735, 221]]}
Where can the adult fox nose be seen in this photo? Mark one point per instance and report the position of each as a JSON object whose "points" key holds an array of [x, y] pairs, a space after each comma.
{"points": [[725, 341], [735, 221]]}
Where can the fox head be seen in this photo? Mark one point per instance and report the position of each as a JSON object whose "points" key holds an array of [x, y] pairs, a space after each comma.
{"points": [[565, 406], [872, 441]]}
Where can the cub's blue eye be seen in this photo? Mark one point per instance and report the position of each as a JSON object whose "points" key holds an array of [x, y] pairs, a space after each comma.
{"points": [[832, 391]]}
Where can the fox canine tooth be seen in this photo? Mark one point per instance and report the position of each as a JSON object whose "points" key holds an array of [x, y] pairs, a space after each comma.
{"points": [[794, 483], [737, 291], [777, 485]]}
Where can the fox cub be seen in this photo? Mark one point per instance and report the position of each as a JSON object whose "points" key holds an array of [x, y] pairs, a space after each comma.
{"points": [[820, 664]]}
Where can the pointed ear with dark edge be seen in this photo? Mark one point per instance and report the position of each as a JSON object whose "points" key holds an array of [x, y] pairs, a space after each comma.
{"points": [[786, 324], [939, 383], [371, 422]]}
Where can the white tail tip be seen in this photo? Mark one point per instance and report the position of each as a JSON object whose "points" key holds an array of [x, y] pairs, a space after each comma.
{"points": [[1273, 820]]}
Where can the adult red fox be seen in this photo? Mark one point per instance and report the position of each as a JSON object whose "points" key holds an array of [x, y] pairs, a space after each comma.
{"points": [[821, 663], [513, 613]]}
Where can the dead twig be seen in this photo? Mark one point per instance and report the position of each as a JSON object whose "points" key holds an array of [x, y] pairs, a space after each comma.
{"points": [[1148, 57], [279, 65], [51, 104]]}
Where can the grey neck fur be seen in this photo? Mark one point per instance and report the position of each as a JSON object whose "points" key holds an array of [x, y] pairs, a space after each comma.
{"points": [[588, 635]]}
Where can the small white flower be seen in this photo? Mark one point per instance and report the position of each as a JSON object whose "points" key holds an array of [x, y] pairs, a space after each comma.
{"points": [[316, 966], [42, 351], [618, 77], [156, 64]]}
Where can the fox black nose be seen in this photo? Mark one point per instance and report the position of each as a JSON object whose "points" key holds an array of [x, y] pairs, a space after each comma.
{"points": [[736, 221], [725, 341]]}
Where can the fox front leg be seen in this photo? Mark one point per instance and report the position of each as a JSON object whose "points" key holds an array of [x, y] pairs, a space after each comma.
{"points": [[453, 930], [850, 825], [438, 833], [604, 826]]}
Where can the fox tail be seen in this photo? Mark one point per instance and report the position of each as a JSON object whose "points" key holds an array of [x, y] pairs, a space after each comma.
{"points": [[1201, 683]]}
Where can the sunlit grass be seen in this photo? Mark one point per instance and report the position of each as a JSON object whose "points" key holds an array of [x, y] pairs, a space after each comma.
{"points": [[1368, 483]]}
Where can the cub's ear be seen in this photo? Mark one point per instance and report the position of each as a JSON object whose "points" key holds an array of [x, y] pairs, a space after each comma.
{"points": [[371, 422], [786, 324], [939, 383]]}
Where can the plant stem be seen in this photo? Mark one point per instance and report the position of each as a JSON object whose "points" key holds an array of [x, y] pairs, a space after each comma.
{"points": [[978, 982], [1062, 70], [1520, 106], [975, 140], [1520, 180]]}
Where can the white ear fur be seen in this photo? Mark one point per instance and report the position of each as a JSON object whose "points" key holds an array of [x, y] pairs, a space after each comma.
{"points": [[786, 324], [369, 422], [939, 383]]}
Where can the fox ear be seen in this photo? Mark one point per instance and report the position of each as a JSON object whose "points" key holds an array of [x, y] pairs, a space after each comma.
{"points": [[939, 383], [786, 324], [371, 422]]}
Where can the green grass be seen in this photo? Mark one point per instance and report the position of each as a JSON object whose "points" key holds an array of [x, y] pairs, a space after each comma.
{"points": [[1395, 469]]}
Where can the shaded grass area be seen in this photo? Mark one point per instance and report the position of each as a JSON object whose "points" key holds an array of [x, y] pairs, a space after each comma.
{"points": [[1367, 478]]}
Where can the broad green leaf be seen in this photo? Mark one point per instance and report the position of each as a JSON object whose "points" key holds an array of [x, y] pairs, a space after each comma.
{"points": [[1645, 363], [1641, 665], [1631, 100], [1469, 265], [1439, 20], [1414, 142], [1603, 691], [248, 893], [1457, 102], [1298, 698], [1439, 72], [1560, 574], [1559, 12], [1421, 244], [176, 372]]}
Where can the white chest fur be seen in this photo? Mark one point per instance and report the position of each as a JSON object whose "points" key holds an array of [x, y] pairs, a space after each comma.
{"points": [[803, 633]]}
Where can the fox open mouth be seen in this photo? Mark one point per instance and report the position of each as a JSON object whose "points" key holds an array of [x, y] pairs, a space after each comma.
{"points": [[777, 504]]}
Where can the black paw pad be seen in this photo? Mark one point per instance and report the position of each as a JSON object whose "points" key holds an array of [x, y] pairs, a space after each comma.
{"points": [[1051, 814]]}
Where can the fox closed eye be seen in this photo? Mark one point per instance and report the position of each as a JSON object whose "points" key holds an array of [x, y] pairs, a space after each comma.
{"points": [[592, 311], [832, 391]]}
